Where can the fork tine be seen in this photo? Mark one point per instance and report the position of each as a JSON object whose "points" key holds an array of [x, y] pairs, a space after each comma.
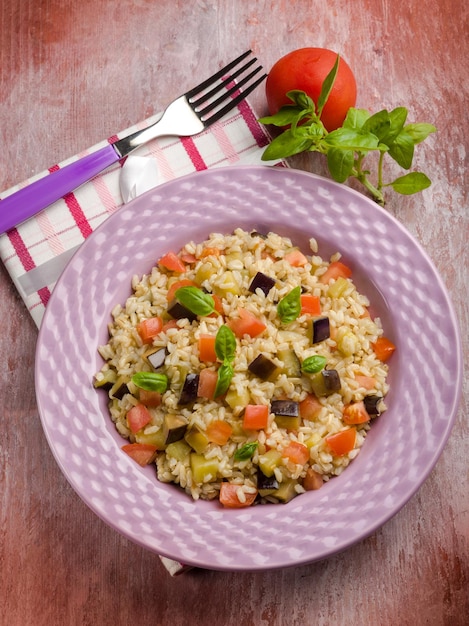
{"points": [[215, 77], [209, 94], [236, 87], [234, 101]]}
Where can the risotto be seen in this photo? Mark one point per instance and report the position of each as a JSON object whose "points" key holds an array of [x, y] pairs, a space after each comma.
{"points": [[244, 369]]}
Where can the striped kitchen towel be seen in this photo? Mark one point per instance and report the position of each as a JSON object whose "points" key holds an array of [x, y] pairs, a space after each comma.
{"points": [[35, 252]]}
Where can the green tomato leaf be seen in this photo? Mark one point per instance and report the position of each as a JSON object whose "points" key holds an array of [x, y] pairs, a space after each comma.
{"points": [[285, 145], [340, 163], [225, 374], [196, 300], [420, 131], [225, 344], [356, 118], [327, 86], [289, 306], [314, 364], [411, 183], [246, 451], [402, 150], [350, 139], [150, 381]]}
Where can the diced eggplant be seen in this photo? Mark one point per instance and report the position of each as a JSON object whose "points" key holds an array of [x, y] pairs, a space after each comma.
{"points": [[291, 363], [119, 388], [263, 367], [266, 485], [174, 428], [325, 382], [262, 282], [286, 490], [258, 233], [287, 408], [320, 329], [287, 422], [106, 381], [156, 357], [372, 404], [196, 439], [189, 389], [178, 311]]}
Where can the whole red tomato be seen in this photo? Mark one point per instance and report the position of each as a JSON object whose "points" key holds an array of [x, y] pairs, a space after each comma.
{"points": [[305, 69]]}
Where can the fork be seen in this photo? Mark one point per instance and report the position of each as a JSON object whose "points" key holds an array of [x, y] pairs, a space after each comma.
{"points": [[186, 116]]}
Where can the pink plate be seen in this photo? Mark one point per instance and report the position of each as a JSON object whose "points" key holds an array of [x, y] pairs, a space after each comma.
{"points": [[402, 447]]}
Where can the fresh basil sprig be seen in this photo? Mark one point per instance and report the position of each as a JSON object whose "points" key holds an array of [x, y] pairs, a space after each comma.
{"points": [[196, 300], [289, 307], [246, 451], [150, 381], [314, 364], [385, 132], [225, 349]]}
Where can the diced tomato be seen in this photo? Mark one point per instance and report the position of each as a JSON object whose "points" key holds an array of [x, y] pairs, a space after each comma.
{"points": [[296, 452], [312, 480], [335, 270], [168, 325], [383, 348], [187, 257], [367, 382], [218, 304], [219, 432], [183, 282], [149, 398], [246, 324], [210, 252], [296, 258], [310, 305], [355, 413], [229, 496], [138, 417], [207, 383], [150, 328], [256, 417], [342, 442], [310, 407], [142, 453], [172, 262], [207, 352]]}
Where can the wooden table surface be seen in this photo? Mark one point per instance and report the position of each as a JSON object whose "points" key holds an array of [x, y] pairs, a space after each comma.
{"points": [[74, 72]]}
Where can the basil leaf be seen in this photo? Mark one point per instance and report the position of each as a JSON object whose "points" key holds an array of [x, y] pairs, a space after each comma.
{"points": [[411, 183], [419, 132], [150, 381], [289, 306], [313, 364], [284, 116], [402, 150], [225, 344], [225, 374], [340, 163], [196, 300], [285, 145], [356, 118], [302, 100], [246, 451], [327, 85], [349, 139]]}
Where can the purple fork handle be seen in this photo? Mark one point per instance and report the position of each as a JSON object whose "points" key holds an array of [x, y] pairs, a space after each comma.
{"points": [[38, 195]]}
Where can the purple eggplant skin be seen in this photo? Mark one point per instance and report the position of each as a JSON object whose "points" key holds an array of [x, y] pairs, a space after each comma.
{"points": [[178, 311], [372, 403], [266, 483], [189, 389], [320, 330], [262, 367], [286, 408], [262, 282]]}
